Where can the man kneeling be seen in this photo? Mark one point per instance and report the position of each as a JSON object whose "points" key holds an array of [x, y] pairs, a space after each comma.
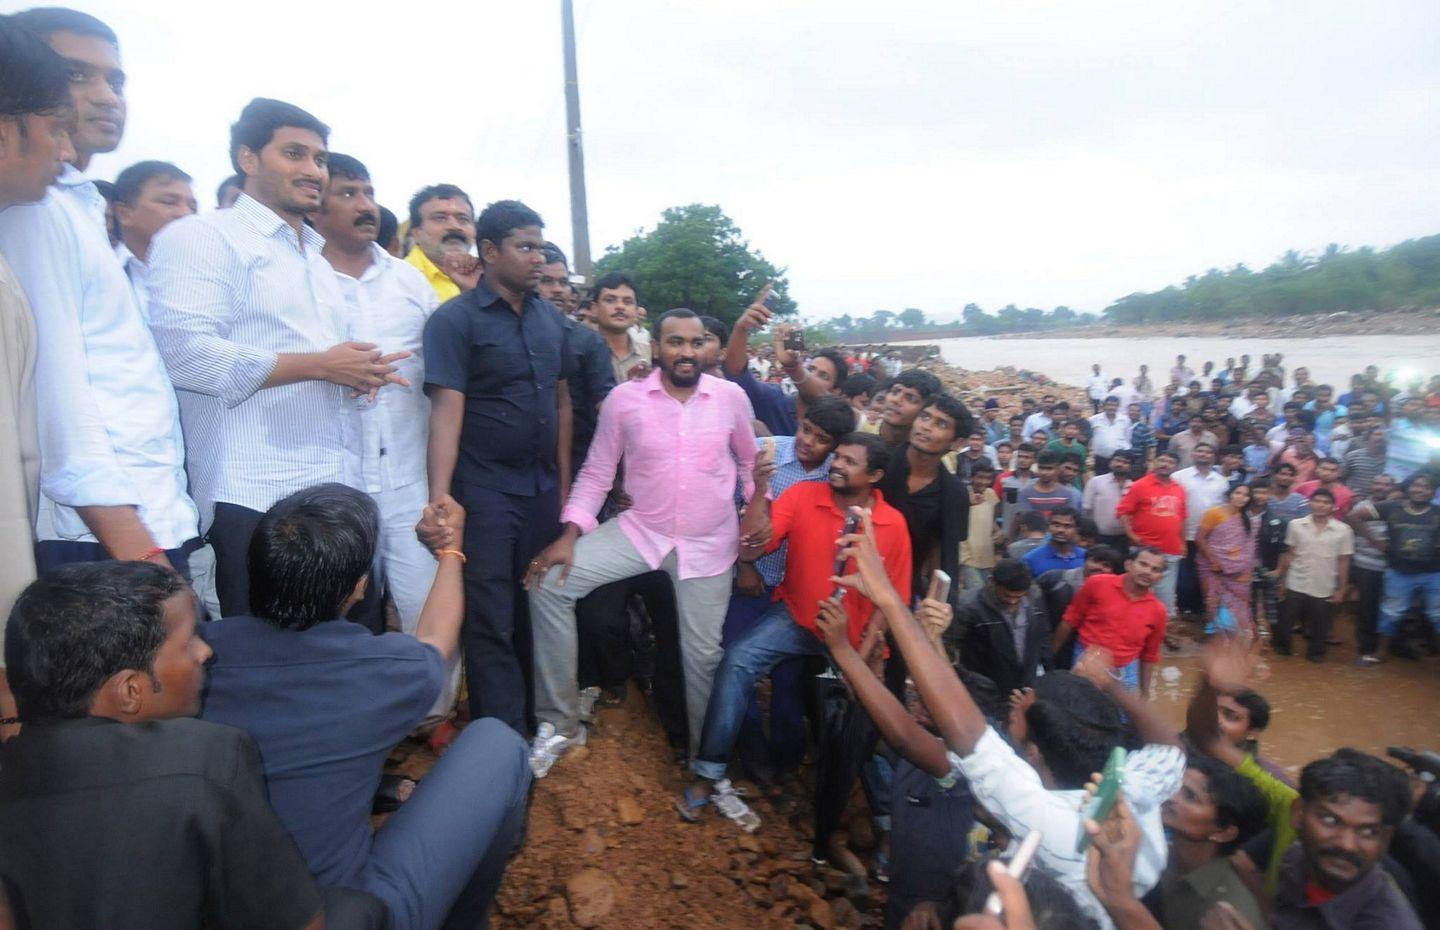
{"points": [[327, 701], [115, 810]]}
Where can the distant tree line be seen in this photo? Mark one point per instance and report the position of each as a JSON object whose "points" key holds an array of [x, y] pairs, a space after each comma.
{"points": [[1402, 276], [974, 321]]}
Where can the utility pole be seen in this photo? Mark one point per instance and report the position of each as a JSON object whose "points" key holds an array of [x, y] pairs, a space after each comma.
{"points": [[579, 214]]}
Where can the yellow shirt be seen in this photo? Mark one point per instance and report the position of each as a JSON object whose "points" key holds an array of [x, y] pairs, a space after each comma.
{"points": [[444, 287]]}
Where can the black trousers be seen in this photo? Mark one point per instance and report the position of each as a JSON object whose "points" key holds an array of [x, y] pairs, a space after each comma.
{"points": [[503, 532], [1370, 584], [1313, 614], [1189, 596]]}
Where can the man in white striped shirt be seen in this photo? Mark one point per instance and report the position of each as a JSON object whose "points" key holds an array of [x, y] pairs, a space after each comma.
{"points": [[389, 302], [112, 474], [257, 337]]}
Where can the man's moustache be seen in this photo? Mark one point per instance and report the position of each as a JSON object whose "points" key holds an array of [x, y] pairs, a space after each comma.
{"points": [[366, 219], [1332, 853], [454, 237]]}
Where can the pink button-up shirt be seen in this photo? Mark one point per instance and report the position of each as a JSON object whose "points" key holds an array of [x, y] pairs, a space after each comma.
{"points": [[680, 470]]}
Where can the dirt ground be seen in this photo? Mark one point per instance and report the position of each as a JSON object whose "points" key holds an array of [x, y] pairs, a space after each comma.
{"points": [[605, 847]]}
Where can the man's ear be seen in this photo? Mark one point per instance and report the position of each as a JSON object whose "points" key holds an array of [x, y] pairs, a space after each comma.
{"points": [[249, 161], [1225, 835], [124, 692]]}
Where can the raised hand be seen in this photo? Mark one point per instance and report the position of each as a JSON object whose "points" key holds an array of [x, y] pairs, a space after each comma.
{"points": [[462, 268]]}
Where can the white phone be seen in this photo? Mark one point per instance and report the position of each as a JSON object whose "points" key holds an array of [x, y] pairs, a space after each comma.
{"points": [[1018, 865]]}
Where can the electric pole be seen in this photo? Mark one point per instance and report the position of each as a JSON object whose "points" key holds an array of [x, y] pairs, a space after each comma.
{"points": [[579, 214]]}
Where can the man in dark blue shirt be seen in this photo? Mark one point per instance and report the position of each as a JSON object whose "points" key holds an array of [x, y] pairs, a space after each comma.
{"points": [[500, 435], [1060, 550], [326, 701], [824, 374]]}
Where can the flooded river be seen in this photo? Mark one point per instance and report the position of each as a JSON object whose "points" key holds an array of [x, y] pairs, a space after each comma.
{"points": [[1331, 360]]}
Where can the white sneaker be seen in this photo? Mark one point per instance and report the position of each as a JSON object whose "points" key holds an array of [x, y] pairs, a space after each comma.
{"points": [[588, 697], [727, 800], [548, 746]]}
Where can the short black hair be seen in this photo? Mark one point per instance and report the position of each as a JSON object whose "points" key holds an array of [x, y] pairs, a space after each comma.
{"points": [[923, 382], [33, 78], [833, 416], [678, 313], [837, 358], [611, 281], [347, 166], [857, 385], [236, 181], [1168, 454], [717, 327], [308, 553], [1111, 557], [1323, 492], [1350, 772], [389, 228], [1237, 801], [132, 179], [554, 254], [983, 466], [43, 21], [1125, 454], [1030, 521], [77, 626], [1072, 458], [436, 192], [1256, 706], [954, 408], [501, 218], [1232, 449], [877, 454], [1048, 457], [1052, 905], [259, 120], [1075, 726], [1012, 575]]}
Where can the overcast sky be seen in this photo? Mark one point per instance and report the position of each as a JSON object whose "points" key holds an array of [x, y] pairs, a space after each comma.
{"points": [[895, 154]]}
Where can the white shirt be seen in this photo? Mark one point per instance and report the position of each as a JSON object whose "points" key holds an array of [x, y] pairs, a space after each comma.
{"points": [[1101, 496], [1098, 386], [229, 291], [109, 426], [1201, 493], [389, 305], [1011, 790], [1036, 420], [1109, 436], [137, 272], [1123, 393]]}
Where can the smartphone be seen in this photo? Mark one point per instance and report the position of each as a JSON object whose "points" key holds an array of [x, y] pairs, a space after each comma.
{"points": [[852, 525], [1099, 806], [1018, 867], [939, 586], [1012, 495], [771, 301], [795, 340]]}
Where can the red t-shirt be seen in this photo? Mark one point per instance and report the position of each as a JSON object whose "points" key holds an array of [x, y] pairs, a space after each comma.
{"points": [[1157, 513], [1103, 614], [807, 517], [1344, 497]]}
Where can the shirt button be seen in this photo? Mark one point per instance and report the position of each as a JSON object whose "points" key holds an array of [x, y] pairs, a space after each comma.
{"points": [[382, 450]]}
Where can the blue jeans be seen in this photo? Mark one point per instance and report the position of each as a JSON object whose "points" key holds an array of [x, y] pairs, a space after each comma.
{"points": [[1129, 675], [783, 750], [774, 637], [439, 859], [1165, 587], [1400, 590]]}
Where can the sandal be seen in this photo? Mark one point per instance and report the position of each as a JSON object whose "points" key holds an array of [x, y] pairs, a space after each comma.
{"points": [[395, 789], [691, 803]]}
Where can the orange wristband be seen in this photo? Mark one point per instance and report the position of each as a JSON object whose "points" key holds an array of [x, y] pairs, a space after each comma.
{"points": [[150, 556], [455, 552]]}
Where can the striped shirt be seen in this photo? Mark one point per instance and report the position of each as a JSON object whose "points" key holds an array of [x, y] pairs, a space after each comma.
{"points": [[788, 471], [109, 427], [389, 305], [229, 292]]}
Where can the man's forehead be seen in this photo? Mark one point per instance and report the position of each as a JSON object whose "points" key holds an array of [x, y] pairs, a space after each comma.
{"points": [[445, 205], [1353, 811], [92, 50], [298, 135]]}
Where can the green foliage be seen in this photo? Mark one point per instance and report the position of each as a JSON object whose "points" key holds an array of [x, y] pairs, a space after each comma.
{"points": [[911, 323], [1405, 275], [695, 257]]}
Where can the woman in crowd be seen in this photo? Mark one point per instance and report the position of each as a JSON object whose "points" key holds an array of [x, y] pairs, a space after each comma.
{"points": [[1226, 541]]}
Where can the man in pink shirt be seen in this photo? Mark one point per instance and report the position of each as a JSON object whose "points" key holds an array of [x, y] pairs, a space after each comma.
{"points": [[1327, 476], [684, 437]]}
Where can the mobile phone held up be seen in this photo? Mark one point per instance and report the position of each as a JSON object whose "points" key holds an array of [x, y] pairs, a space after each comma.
{"points": [[1100, 805], [795, 340], [939, 586], [1018, 866], [852, 525]]}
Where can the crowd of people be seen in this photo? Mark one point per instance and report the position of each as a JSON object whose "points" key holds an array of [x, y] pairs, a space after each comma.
{"points": [[284, 480]]}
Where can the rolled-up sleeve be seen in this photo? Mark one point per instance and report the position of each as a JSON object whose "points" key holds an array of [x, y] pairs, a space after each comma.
{"points": [[78, 464], [742, 442], [191, 282]]}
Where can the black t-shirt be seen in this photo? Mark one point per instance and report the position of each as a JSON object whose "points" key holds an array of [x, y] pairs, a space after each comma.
{"points": [[1414, 537], [158, 825]]}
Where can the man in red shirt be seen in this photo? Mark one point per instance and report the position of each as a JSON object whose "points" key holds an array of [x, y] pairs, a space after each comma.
{"points": [[1122, 614], [1327, 476], [809, 516], [1153, 514]]}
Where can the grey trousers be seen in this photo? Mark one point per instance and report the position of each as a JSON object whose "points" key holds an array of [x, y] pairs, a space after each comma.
{"points": [[601, 557]]}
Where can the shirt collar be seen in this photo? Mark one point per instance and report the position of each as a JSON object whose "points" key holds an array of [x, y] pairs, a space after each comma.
{"points": [[881, 514], [268, 223], [123, 253], [705, 386]]}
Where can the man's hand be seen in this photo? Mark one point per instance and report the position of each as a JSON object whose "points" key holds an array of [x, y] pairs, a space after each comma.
{"points": [[462, 268], [1228, 663], [442, 524], [1110, 860], [870, 578], [1015, 906], [1096, 665], [765, 466], [638, 371], [1020, 701], [748, 580], [360, 367], [834, 624], [935, 618], [561, 552], [784, 357], [923, 916], [757, 315]]}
